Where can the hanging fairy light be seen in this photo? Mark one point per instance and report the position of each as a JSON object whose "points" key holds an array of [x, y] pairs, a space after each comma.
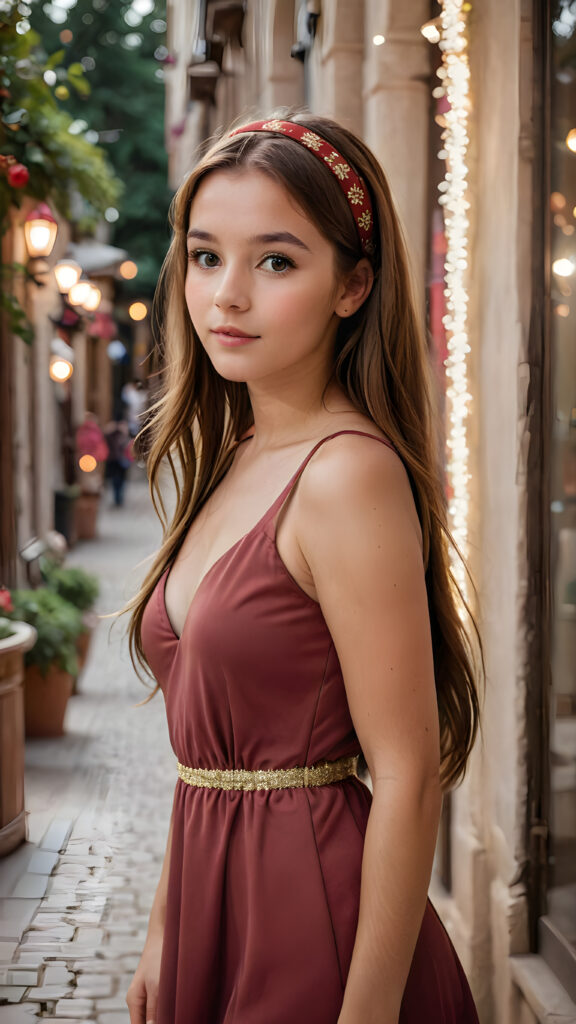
{"points": [[454, 75]]}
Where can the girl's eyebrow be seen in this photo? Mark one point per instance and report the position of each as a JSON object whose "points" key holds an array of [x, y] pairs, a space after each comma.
{"points": [[276, 236]]}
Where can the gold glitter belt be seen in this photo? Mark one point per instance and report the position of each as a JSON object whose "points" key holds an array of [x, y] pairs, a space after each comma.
{"points": [[269, 778]]}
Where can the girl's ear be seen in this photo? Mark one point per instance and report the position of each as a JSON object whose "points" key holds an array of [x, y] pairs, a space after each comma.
{"points": [[356, 287]]}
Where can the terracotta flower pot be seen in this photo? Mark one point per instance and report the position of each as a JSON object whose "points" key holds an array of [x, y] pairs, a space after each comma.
{"points": [[45, 700], [12, 815], [86, 514]]}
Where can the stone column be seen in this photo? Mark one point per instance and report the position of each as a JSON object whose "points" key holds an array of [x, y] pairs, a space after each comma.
{"points": [[336, 64], [396, 112], [282, 82]]}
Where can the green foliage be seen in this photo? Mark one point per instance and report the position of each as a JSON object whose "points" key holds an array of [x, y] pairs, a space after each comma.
{"points": [[35, 131], [57, 623], [5, 629], [18, 322], [125, 106], [72, 583]]}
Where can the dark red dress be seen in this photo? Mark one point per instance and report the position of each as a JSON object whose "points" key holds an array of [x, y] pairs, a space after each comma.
{"points": [[264, 886]]}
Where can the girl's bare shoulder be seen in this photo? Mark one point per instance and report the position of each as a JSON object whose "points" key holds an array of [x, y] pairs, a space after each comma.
{"points": [[353, 473]]}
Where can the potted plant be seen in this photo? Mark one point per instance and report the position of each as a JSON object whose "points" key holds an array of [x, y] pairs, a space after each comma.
{"points": [[52, 662], [80, 588], [15, 639]]}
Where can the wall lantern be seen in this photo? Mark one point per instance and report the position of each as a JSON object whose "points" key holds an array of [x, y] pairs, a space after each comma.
{"points": [[61, 360], [93, 299], [79, 292], [67, 273], [60, 369], [40, 230]]}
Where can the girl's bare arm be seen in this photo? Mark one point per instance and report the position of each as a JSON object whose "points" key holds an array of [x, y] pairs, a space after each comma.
{"points": [[358, 530]]}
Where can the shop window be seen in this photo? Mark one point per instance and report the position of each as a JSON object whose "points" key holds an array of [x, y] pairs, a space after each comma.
{"points": [[557, 926]]}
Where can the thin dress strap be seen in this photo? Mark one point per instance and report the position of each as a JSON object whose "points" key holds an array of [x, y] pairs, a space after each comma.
{"points": [[291, 483]]}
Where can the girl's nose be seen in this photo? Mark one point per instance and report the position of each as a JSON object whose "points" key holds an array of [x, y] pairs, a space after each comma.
{"points": [[232, 291]]}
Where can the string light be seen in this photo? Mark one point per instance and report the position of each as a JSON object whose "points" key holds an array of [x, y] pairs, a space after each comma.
{"points": [[454, 75]]}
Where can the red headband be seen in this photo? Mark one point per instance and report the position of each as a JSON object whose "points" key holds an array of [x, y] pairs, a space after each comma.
{"points": [[350, 182]]}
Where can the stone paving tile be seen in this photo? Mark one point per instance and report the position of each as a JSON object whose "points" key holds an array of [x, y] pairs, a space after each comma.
{"points": [[19, 1014], [78, 946], [57, 835], [11, 993], [31, 886], [43, 862], [15, 916]]}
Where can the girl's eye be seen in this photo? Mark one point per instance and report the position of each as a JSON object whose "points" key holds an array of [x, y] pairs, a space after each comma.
{"points": [[277, 263], [203, 258]]}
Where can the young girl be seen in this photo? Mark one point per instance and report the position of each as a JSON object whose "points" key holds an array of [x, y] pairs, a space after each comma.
{"points": [[300, 612]]}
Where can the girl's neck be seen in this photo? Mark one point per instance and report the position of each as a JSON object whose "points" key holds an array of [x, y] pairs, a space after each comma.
{"points": [[280, 422]]}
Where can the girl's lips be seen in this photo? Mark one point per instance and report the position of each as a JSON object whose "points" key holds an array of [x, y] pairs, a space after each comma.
{"points": [[233, 340]]}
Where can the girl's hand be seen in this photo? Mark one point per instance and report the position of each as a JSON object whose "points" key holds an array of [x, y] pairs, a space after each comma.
{"points": [[142, 995]]}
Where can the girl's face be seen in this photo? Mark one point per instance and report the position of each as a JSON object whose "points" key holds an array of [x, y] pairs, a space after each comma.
{"points": [[261, 286]]}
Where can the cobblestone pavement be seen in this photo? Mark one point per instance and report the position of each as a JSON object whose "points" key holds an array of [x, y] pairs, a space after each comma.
{"points": [[75, 898]]}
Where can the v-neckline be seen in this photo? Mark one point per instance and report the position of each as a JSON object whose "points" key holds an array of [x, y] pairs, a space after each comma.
{"points": [[258, 525], [208, 573], [229, 551]]}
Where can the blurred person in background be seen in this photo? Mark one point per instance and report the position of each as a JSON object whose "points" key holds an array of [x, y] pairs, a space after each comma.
{"points": [[119, 459], [135, 398]]}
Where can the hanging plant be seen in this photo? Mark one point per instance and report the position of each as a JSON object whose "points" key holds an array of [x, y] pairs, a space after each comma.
{"points": [[39, 156]]}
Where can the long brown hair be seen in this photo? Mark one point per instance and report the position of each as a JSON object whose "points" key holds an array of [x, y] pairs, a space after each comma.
{"points": [[381, 362]]}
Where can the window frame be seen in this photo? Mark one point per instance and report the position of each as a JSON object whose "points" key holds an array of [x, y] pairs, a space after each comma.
{"points": [[545, 937]]}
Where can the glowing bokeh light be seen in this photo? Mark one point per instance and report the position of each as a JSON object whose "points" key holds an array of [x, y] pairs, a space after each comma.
{"points": [[138, 311]]}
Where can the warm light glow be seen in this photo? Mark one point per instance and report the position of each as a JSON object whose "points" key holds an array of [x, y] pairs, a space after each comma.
{"points": [[557, 201], [60, 369], [79, 292], [378, 40], [571, 140], [138, 311], [67, 273], [93, 299], [431, 32], [87, 463], [128, 270], [40, 230], [563, 267], [454, 75], [562, 310]]}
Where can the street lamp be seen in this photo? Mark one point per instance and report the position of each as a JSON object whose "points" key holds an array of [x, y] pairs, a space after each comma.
{"points": [[67, 273], [61, 360], [79, 292], [40, 230], [93, 299]]}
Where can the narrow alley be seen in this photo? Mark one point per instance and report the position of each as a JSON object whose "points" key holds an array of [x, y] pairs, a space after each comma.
{"points": [[75, 898]]}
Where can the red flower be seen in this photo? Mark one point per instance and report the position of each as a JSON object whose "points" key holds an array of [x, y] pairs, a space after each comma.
{"points": [[5, 600], [18, 175]]}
